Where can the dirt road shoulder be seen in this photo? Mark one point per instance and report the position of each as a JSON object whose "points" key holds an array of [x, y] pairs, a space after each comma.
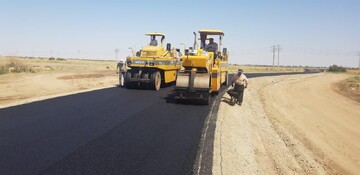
{"points": [[21, 88], [286, 126]]}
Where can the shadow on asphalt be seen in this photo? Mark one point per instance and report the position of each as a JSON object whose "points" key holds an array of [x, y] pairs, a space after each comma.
{"points": [[170, 98]]}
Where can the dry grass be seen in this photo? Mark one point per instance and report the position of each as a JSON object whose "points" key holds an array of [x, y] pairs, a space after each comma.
{"points": [[353, 72], [349, 88], [255, 69], [13, 65], [25, 79], [35, 65], [353, 81]]}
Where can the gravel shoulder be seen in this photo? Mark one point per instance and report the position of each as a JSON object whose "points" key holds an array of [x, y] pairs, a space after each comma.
{"points": [[289, 125]]}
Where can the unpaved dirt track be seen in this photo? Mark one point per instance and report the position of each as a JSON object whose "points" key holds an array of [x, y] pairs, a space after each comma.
{"points": [[289, 125]]}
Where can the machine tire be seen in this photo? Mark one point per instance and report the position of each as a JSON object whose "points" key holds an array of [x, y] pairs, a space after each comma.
{"points": [[127, 82], [226, 80], [155, 80], [136, 84], [206, 101]]}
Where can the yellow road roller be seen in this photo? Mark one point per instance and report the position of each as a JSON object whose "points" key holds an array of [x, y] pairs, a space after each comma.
{"points": [[205, 68], [153, 65]]}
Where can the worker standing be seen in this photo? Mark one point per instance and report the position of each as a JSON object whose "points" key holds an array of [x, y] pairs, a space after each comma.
{"points": [[241, 82], [121, 69]]}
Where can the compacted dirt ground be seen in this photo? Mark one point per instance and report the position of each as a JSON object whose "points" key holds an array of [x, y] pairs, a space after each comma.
{"points": [[289, 125], [50, 79], [23, 88]]}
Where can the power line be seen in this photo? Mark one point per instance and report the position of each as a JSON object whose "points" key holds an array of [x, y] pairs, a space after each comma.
{"points": [[321, 52]]}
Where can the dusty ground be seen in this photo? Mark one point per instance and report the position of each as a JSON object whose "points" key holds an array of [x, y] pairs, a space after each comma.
{"points": [[289, 125], [256, 69], [348, 89], [54, 78]]}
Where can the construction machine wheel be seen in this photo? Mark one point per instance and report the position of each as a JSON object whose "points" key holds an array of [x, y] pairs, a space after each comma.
{"points": [[232, 101], [155, 80], [136, 84], [145, 85], [226, 80], [233, 96], [207, 99], [127, 80]]}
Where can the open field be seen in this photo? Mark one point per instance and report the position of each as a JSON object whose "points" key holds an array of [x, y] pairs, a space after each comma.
{"points": [[353, 72], [298, 124], [38, 65], [292, 124], [27, 80], [255, 69]]}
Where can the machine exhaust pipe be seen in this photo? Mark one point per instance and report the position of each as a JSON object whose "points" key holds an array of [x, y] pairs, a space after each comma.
{"points": [[195, 44]]}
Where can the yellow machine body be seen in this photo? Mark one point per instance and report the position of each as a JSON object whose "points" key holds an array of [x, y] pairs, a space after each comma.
{"points": [[204, 71], [153, 66]]}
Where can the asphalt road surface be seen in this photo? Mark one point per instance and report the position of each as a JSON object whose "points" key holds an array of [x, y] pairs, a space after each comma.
{"points": [[108, 131]]}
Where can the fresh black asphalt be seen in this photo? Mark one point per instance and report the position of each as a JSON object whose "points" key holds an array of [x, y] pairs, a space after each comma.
{"points": [[108, 131]]}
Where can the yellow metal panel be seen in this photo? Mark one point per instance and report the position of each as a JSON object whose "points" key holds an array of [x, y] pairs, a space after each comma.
{"points": [[154, 34], [211, 32], [215, 80], [168, 67], [152, 48], [166, 63], [170, 76], [195, 61], [215, 84]]}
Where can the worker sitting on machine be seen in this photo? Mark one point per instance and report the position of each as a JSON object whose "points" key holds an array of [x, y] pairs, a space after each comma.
{"points": [[153, 41], [212, 46]]}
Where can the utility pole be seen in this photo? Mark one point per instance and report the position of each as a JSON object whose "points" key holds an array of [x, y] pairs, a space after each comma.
{"points": [[359, 60], [273, 50], [116, 53], [278, 56]]}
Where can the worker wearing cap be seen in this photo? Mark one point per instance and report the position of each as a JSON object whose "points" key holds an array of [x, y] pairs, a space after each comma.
{"points": [[241, 82], [212, 46], [121, 69]]}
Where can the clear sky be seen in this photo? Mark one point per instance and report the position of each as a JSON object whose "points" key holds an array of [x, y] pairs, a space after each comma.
{"points": [[309, 32]]}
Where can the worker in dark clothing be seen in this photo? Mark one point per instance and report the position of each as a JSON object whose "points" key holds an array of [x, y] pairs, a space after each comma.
{"points": [[240, 81], [153, 41], [212, 46]]}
